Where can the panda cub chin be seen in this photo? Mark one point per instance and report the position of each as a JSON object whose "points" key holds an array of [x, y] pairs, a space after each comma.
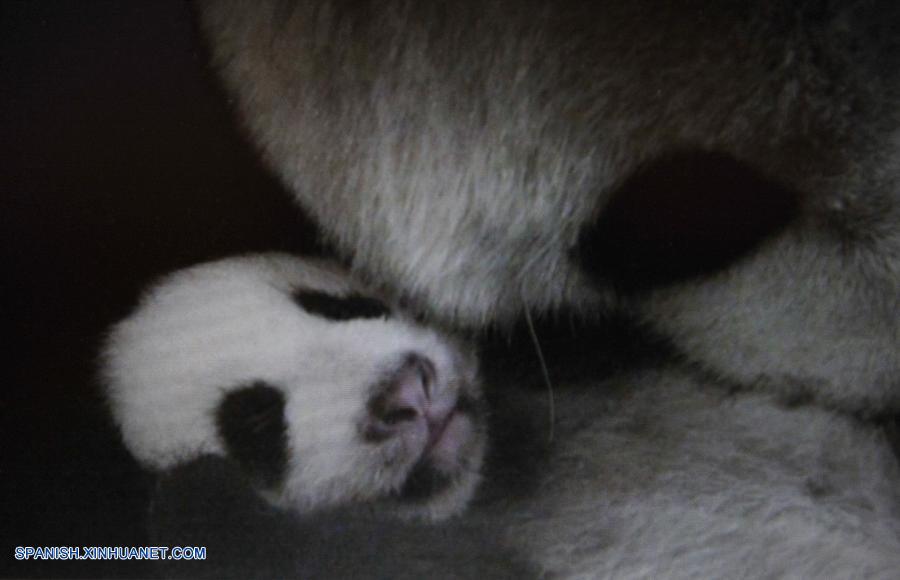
{"points": [[322, 393]]}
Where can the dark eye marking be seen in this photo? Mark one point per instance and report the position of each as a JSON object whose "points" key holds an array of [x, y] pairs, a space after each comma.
{"points": [[340, 308], [251, 422]]}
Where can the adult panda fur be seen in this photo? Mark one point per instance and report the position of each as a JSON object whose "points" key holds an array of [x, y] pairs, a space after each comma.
{"points": [[652, 473], [733, 167]]}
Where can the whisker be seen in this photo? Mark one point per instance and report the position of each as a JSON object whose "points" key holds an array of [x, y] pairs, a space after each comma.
{"points": [[544, 371]]}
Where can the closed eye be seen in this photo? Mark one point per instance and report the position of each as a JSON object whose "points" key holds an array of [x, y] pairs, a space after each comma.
{"points": [[340, 308]]}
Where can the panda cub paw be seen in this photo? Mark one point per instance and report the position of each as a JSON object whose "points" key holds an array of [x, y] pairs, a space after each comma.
{"points": [[323, 394]]}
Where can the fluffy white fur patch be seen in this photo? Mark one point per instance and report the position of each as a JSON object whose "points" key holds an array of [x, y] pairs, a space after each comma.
{"points": [[656, 475]]}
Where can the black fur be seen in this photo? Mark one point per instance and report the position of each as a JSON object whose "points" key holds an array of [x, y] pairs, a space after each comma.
{"points": [[424, 481], [472, 406], [683, 215], [251, 422], [340, 308]]}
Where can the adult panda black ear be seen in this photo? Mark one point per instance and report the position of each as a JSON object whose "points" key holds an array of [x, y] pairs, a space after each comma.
{"points": [[251, 423]]}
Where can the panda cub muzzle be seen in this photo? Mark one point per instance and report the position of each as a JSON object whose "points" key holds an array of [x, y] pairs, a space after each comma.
{"points": [[402, 403], [408, 406], [323, 395]]}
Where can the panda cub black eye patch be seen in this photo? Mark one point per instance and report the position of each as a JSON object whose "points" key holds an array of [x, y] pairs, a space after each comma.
{"points": [[340, 308], [251, 423]]}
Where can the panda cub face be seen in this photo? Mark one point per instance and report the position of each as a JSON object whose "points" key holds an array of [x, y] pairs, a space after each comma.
{"points": [[321, 392]]}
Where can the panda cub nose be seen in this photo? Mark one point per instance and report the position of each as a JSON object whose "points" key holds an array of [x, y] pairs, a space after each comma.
{"points": [[402, 399]]}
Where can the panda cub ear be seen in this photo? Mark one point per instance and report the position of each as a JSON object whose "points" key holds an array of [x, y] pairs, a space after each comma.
{"points": [[255, 359]]}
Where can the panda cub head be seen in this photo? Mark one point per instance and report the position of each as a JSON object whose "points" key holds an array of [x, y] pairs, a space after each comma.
{"points": [[321, 393]]}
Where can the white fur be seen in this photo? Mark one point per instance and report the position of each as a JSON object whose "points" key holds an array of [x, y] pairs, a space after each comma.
{"points": [[656, 475], [210, 329], [798, 318]]}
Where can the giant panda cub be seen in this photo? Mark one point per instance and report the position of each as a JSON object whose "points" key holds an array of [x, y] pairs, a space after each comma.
{"points": [[323, 394]]}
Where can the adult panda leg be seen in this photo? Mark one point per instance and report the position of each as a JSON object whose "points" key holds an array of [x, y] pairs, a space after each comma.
{"points": [[211, 502]]}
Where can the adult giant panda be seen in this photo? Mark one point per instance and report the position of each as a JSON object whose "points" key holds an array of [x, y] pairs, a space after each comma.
{"points": [[330, 404], [730, 169]]}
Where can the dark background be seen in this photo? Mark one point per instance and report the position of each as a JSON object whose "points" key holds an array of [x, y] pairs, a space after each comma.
{"points": [[119, 160]]}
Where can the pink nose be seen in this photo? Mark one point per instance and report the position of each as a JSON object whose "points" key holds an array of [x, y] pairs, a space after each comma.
{"points": [[403, 400]]}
